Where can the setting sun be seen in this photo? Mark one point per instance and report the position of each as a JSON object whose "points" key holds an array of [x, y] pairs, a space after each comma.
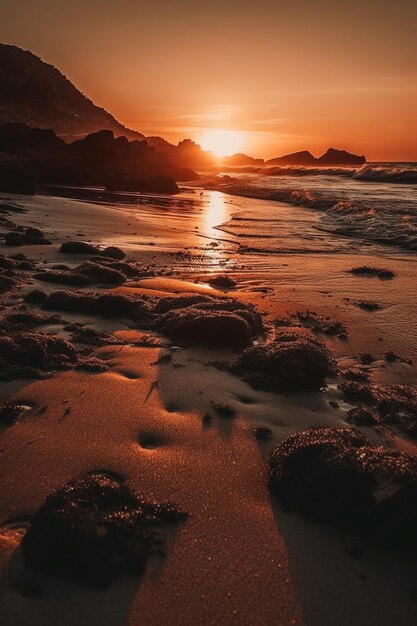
{"points": [[222, 142]]}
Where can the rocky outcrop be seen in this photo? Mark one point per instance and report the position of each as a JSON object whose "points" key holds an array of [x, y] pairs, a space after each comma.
{"points": [[35, 93], [340, 157], [331, 157], [296, 158], [241, 160], [36, 158]]}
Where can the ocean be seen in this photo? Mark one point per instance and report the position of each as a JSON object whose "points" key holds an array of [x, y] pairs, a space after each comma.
{"points": [[374, 203]]}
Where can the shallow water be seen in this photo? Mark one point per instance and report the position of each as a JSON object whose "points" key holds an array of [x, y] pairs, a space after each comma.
{"points": [[368, 204]]}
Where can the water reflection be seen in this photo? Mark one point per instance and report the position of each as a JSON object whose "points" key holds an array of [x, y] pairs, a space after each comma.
{"points": [[216, 213]]}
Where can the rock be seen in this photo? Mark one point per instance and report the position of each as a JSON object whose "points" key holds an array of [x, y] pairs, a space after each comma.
{"points": [[293, 362], [16, 178], [207, 327], [302, 158], [19, 239], [79, 247], [7, 283], [224, 282], [36, 350], [337, 476], [100, 273], [95, 529], [34, 232], [35, 297], [74, 279], [13, 239], [36, 241], [340, 157], [112, 252], [108, 305]]}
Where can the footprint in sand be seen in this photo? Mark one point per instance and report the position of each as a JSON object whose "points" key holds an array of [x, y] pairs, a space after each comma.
{"points": [[150, 441]]}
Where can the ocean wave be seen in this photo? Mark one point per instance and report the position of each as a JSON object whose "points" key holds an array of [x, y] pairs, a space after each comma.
{"points": [[368, 173], [387, 220]]}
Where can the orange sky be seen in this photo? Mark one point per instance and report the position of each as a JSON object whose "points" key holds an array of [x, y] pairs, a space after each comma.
{"points": [[306, 74]]}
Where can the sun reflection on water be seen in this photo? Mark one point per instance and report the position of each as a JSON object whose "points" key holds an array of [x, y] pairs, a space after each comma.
{"points": [[215, 214]]}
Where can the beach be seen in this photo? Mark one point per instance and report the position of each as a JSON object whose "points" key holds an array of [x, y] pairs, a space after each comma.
{"points": [[155, 413]]}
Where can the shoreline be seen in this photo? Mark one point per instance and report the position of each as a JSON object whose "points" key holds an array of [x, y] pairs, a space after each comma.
{"points": [[238, 559]]}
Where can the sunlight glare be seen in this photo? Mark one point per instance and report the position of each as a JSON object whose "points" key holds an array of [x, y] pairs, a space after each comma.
{"points": [[222, 142]]}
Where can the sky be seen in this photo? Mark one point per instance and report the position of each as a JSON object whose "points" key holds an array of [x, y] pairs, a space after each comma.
{"points": [[286, 75]]}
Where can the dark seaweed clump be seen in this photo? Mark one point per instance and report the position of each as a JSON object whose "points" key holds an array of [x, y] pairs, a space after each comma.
{"points": [[208, 320], [322, 324], [28, 354], [23, 353], [292, 362], [96, 270], [366, 270], [337, 476], [95, 529], [195, 318], [396, 405]]}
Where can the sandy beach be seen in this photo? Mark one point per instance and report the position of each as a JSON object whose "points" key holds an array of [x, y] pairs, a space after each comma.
{"points": [[153, 412]]}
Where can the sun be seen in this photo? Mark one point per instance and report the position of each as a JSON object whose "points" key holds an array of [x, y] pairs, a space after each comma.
{"points": [[222, 142]]}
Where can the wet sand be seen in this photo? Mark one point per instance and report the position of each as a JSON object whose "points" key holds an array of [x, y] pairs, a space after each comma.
{"points": [[238, 559]]}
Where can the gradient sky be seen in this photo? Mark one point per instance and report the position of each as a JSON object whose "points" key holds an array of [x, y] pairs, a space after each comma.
{"points": [[291, 75]]}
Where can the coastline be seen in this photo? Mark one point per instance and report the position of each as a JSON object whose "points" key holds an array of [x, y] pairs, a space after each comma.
{"points": [[239, 559]]}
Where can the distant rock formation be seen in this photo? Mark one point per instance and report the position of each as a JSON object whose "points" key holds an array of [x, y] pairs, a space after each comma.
{"points": [[186, 154], [33, 158], [241, 160], [340, 157], [330, 158], [35, 93], [295, 158]]}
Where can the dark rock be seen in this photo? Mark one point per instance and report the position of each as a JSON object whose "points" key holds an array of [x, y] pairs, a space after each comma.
{"points": [[36, 241], [13, 239], [293, 362], [34, 232], [36, 350], [337, 476], [64, 278], [100, 273], [113, 252], [224, 282], [15, 178], [340, 157], [208, 327], [95, 529], [34, 297], [7, 283], [303, 158], [108, 305], [79, 247]]}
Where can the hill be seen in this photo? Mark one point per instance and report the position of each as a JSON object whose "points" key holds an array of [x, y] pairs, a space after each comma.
{"points": [[35, 93]]}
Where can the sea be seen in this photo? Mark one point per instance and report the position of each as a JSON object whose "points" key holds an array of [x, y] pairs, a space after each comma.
{"points": [[375, 203]]}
